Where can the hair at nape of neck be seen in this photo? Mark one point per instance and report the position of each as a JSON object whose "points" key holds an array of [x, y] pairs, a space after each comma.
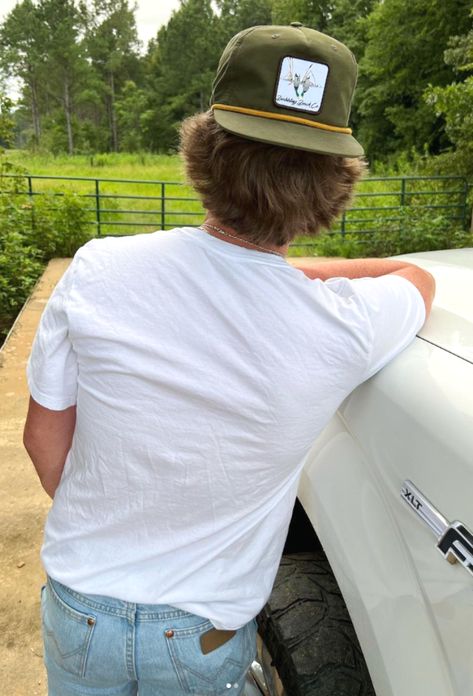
{"points": [[265, 192]]}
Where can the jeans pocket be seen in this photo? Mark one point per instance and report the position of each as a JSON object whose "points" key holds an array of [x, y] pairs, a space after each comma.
{"points": [[220, 671], [66, 633]]}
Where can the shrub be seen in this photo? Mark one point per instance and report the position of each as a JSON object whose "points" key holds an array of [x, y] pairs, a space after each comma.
{"points": [[416, 230], [58, 227], [32, 231], [20, 268]]}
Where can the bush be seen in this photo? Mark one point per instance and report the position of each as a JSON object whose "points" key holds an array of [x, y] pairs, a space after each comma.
{"points": [[416, 230], [58, 227], [31, 233], [20, 268]]}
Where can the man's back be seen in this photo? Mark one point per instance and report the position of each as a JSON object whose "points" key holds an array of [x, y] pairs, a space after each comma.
{"points": [[198, 394]]}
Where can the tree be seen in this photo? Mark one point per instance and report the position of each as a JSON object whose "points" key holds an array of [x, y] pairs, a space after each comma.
{"points": [[406, 42], [181, 64], [454, 102], [67, 68], [312, 13], [22, 55], [131, 114], [73, 58], [348, 23], [112, 44], [6, 122], [236, 15]]}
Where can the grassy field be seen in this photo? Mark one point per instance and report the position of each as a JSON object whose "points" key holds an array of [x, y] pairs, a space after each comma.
{"points": [[139, 202], [110, 165], [142, 204]]}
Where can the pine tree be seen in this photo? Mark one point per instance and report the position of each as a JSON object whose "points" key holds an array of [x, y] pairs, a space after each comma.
{"points": [[22, 55], [67, 69], [112, 45]]}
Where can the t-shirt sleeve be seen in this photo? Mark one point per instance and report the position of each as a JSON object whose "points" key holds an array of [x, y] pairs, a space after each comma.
{"points": [[393, 310], [52, 366]]}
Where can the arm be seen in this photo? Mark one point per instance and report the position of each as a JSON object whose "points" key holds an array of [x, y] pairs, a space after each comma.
{"points": [[372, 268], [424, 282], [47, 438]]}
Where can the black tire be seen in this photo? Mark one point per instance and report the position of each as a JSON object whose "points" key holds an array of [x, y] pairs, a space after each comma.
{"points": [[308, 632]]}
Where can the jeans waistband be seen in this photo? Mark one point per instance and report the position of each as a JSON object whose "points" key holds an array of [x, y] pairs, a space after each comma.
{"points": [[118, 607]]}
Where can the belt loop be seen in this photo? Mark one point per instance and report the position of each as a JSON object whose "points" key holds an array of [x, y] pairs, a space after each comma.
{"points": [[131, 611]]}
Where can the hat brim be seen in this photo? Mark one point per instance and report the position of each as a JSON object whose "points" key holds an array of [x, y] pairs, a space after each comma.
{"points": [[287, 134]]}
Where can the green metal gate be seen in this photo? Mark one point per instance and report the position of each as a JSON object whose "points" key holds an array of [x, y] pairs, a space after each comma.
{"points": [[126, 206]]}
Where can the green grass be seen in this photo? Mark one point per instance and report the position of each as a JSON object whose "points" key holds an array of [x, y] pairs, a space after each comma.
{"points": [[144, 213], [374, 209], [109, 165]]}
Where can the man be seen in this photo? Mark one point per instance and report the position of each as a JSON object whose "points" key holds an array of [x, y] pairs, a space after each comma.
{"points": [[179, 378]]}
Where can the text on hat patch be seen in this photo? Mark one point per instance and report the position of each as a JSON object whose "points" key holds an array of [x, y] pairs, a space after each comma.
{"points": [[301, 84]]}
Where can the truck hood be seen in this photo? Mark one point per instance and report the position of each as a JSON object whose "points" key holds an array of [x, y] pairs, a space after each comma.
{"points": [[450, 325]]}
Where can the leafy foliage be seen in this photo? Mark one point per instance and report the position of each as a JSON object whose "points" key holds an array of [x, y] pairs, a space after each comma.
{"points": [[418, 230], [111, 43], [6, 121], [20, 264], [181, 66], [20, 268], [87, 88], [72, 58], [32, 232], [406, 43], [312, 14], [58, 228], [454, 102]]}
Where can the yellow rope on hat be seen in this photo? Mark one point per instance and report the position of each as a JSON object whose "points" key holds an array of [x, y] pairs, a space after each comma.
{"points": [[282, 117]]}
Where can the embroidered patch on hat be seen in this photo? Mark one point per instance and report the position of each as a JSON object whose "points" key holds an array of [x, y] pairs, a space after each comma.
{"points": [[301, 84]]}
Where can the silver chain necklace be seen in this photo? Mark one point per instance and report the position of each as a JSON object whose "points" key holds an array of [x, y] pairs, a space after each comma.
{"points": [[240, 239]]}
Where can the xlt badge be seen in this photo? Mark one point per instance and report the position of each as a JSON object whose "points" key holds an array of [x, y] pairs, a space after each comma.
{"points": [[454, 540]]}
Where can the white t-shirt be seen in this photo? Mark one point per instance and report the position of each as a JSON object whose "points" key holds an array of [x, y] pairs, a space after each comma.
{"points": [[202, 373]]}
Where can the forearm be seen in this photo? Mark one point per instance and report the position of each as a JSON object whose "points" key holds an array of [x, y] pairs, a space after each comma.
{"points": [[372, 268], [349, 268], [49, 465], [47, 439]]}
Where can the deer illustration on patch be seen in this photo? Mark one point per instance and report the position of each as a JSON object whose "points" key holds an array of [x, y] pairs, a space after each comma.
{"points": [[301, 84]]}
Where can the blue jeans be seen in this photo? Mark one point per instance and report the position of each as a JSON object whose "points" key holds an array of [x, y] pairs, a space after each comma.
{"points": [[100, 646]]}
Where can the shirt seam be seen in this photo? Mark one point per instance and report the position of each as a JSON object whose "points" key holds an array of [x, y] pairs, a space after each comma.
{"points": [[362, 302], [371, 339], [67, 294], [43, 397], [405, 280], [237, 255]]}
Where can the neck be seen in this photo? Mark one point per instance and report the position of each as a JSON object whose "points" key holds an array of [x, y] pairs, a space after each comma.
{"points": [[211, 223]]}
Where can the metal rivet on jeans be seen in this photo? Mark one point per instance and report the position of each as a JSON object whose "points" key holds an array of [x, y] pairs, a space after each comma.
{"points": [[91, 621], [169, 633]]}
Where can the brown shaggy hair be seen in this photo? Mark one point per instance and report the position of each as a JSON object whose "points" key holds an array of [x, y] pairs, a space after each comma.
{"points": [[269, 194]]}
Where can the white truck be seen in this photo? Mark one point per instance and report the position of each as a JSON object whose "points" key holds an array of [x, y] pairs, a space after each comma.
{"points": [[374, 595]]}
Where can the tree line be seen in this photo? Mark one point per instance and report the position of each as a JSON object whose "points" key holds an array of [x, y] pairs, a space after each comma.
{"points": [[87, 85]]}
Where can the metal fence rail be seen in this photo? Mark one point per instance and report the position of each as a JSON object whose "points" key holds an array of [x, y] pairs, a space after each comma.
{"points": [[122, 206], [447, 195]]}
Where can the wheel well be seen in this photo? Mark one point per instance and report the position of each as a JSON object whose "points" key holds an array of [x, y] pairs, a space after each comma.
{"points": [[301, 535]]}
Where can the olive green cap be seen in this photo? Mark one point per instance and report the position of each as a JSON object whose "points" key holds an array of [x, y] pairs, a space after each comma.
{"points": [[287, 85]]}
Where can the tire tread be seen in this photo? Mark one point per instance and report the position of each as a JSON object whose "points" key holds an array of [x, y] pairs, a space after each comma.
{"points": [[308, 632]]}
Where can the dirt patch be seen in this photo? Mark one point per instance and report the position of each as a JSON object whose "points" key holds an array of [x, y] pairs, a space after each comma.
{"points": [[24, 508]]}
